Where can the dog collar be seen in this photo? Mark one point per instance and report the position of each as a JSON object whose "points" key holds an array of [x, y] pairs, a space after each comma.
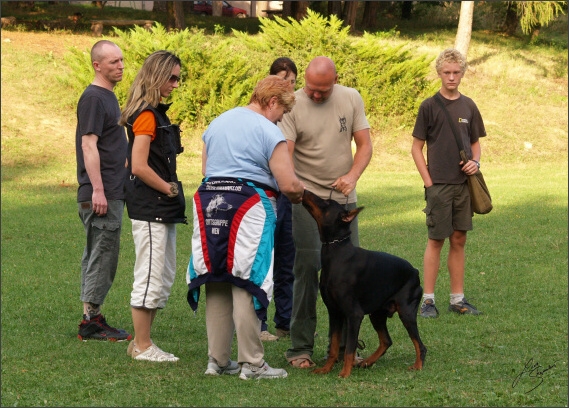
{"points": [[336, 240]]}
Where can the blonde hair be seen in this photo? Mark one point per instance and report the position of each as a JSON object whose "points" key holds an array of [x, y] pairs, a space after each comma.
{"points": [[271, 86], [451, 55], [145, 90]]}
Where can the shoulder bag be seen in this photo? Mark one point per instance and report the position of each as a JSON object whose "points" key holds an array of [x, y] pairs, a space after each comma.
{"points": [[479, 195]]}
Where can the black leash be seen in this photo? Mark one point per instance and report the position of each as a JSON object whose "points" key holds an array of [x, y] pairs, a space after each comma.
{"points": [[330, 198]]}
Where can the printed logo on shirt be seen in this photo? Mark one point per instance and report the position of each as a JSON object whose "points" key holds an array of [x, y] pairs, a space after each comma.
{"points": [[217, 203], [343, 127], [461, 120]]}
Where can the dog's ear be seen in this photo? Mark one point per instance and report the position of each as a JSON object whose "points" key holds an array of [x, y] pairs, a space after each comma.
{"points": [[350, 215]]}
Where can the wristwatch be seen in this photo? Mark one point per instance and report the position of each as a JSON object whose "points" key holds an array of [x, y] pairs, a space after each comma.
{"points": [[477, 163], [173, 189]]}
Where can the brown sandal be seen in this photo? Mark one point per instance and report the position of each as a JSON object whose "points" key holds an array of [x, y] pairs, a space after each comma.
{"points": [[302, 362]]}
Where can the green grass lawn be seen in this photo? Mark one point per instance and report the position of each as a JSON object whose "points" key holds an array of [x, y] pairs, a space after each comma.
{"points": [[515, 354], [516, 274]]}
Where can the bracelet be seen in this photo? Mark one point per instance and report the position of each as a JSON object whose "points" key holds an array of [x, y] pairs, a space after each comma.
{"points": [[173, 189], [477, 163]]}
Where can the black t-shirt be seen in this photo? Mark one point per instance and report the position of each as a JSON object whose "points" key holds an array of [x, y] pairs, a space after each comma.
{"points": [[98, 112], [443, 156]]}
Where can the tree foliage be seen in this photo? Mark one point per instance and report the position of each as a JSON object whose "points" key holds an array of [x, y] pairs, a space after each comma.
{"points": [[534, 14], [219, 72], [390, 79]]}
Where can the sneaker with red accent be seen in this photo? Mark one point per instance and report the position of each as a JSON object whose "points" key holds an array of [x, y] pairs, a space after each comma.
{"points": [[97, 328]]}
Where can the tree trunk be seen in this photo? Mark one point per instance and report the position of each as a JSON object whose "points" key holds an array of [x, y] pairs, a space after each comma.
{"points": [[335, 8], [170, 23], [318, 6], [179, 20], [295, 9], [406, 10], [287, 9], [350, 13], [160, 6], [217, 8], [535, 32], [300, 11], [188, 6], [464, 32], [511, 22], [369, 19]]}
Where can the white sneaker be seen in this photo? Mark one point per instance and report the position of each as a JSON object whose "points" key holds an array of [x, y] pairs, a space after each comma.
{"points": [[153, 353], [266, 336], [232, 367], [249, 371], [132, 345]]}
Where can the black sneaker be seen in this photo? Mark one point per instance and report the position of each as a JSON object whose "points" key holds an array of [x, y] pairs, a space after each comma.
{"points": [[97, 328], [428, 309], [464, 307]]}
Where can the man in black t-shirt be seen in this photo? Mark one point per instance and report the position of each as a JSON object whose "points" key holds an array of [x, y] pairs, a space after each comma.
{"points": [[444, 174], [101, 147]]}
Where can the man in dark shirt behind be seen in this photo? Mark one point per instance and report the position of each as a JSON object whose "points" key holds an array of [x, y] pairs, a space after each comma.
{"points": [[101, 148]]}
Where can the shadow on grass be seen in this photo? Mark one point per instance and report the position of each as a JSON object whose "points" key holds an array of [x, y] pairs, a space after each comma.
{"points": [[516, 256]]}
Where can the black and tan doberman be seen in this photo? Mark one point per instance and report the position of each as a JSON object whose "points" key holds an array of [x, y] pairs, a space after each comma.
{"points": [[355, 282]]}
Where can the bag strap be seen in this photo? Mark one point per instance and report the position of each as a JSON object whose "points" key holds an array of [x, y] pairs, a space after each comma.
{"points": [[453, 127]]}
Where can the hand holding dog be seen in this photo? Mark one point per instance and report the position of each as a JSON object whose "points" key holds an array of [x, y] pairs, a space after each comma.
{"points": [[345, 184]]}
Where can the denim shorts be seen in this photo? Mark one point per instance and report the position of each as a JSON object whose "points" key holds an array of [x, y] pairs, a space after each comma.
{"points": [[448, 209]]}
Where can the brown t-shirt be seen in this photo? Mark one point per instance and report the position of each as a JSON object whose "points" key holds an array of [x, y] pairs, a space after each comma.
{"points": [[443, 156], [323, 136]]}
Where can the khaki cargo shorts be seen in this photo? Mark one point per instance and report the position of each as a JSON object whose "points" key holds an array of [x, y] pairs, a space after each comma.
{"points": [[448, 209]]}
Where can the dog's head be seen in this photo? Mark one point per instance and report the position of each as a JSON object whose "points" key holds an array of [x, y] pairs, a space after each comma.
{"points": [[332, 218]]}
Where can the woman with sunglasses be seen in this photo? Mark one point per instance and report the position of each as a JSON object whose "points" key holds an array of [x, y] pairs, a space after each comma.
{"points": [[154, 197]]}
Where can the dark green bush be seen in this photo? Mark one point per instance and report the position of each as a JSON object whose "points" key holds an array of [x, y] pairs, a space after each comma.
{"points": [[390, 79], [219, 72]]}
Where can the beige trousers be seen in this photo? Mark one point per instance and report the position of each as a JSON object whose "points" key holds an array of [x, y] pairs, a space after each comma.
{"points": [[230, 309]]}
